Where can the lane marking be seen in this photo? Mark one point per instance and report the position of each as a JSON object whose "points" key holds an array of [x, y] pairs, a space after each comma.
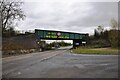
{"points": [[31, 64], [12, 58], [19, 73]]}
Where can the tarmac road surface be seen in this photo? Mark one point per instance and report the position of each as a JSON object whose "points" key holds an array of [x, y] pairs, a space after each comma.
{"points": [[60, 63]]}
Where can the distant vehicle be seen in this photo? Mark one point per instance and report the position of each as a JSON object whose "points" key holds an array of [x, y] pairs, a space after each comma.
{"points": [[57, 46]]}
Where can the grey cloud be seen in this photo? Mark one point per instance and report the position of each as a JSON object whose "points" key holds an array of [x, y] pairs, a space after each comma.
{"points": [[100, 15], [70, 17]]}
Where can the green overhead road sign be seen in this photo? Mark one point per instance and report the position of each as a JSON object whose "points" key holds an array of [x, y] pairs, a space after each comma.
{"points": [[50, 34]]}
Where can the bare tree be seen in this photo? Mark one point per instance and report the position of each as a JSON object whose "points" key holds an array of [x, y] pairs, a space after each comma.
{"points": [[100, 29], [114, 33], [10, 10], [96, 34], [114, 24]]}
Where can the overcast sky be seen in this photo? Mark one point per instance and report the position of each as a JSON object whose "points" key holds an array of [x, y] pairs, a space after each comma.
{"points": [[67, 15]]}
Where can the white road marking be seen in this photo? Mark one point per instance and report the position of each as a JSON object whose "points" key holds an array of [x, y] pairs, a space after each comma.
{"points": [[27, 69], [103, 64], [12, 63], [19, 73]]}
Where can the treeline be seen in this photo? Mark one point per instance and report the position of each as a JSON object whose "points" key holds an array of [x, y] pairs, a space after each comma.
{"points": [[105, 38], [61, 43], [10, 32]]}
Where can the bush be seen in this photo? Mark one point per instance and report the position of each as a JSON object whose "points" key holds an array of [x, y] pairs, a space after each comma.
{"points": [[99, 43], [114, 38]]}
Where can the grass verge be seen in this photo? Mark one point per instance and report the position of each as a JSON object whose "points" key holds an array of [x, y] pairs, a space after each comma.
{"points": [[96, 51]]}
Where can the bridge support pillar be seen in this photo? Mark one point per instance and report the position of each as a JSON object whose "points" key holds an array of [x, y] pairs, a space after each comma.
{"points": [[77, 43]]}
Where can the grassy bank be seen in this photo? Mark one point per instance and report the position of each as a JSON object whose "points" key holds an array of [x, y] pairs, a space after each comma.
{"points": [[96, 51]]}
